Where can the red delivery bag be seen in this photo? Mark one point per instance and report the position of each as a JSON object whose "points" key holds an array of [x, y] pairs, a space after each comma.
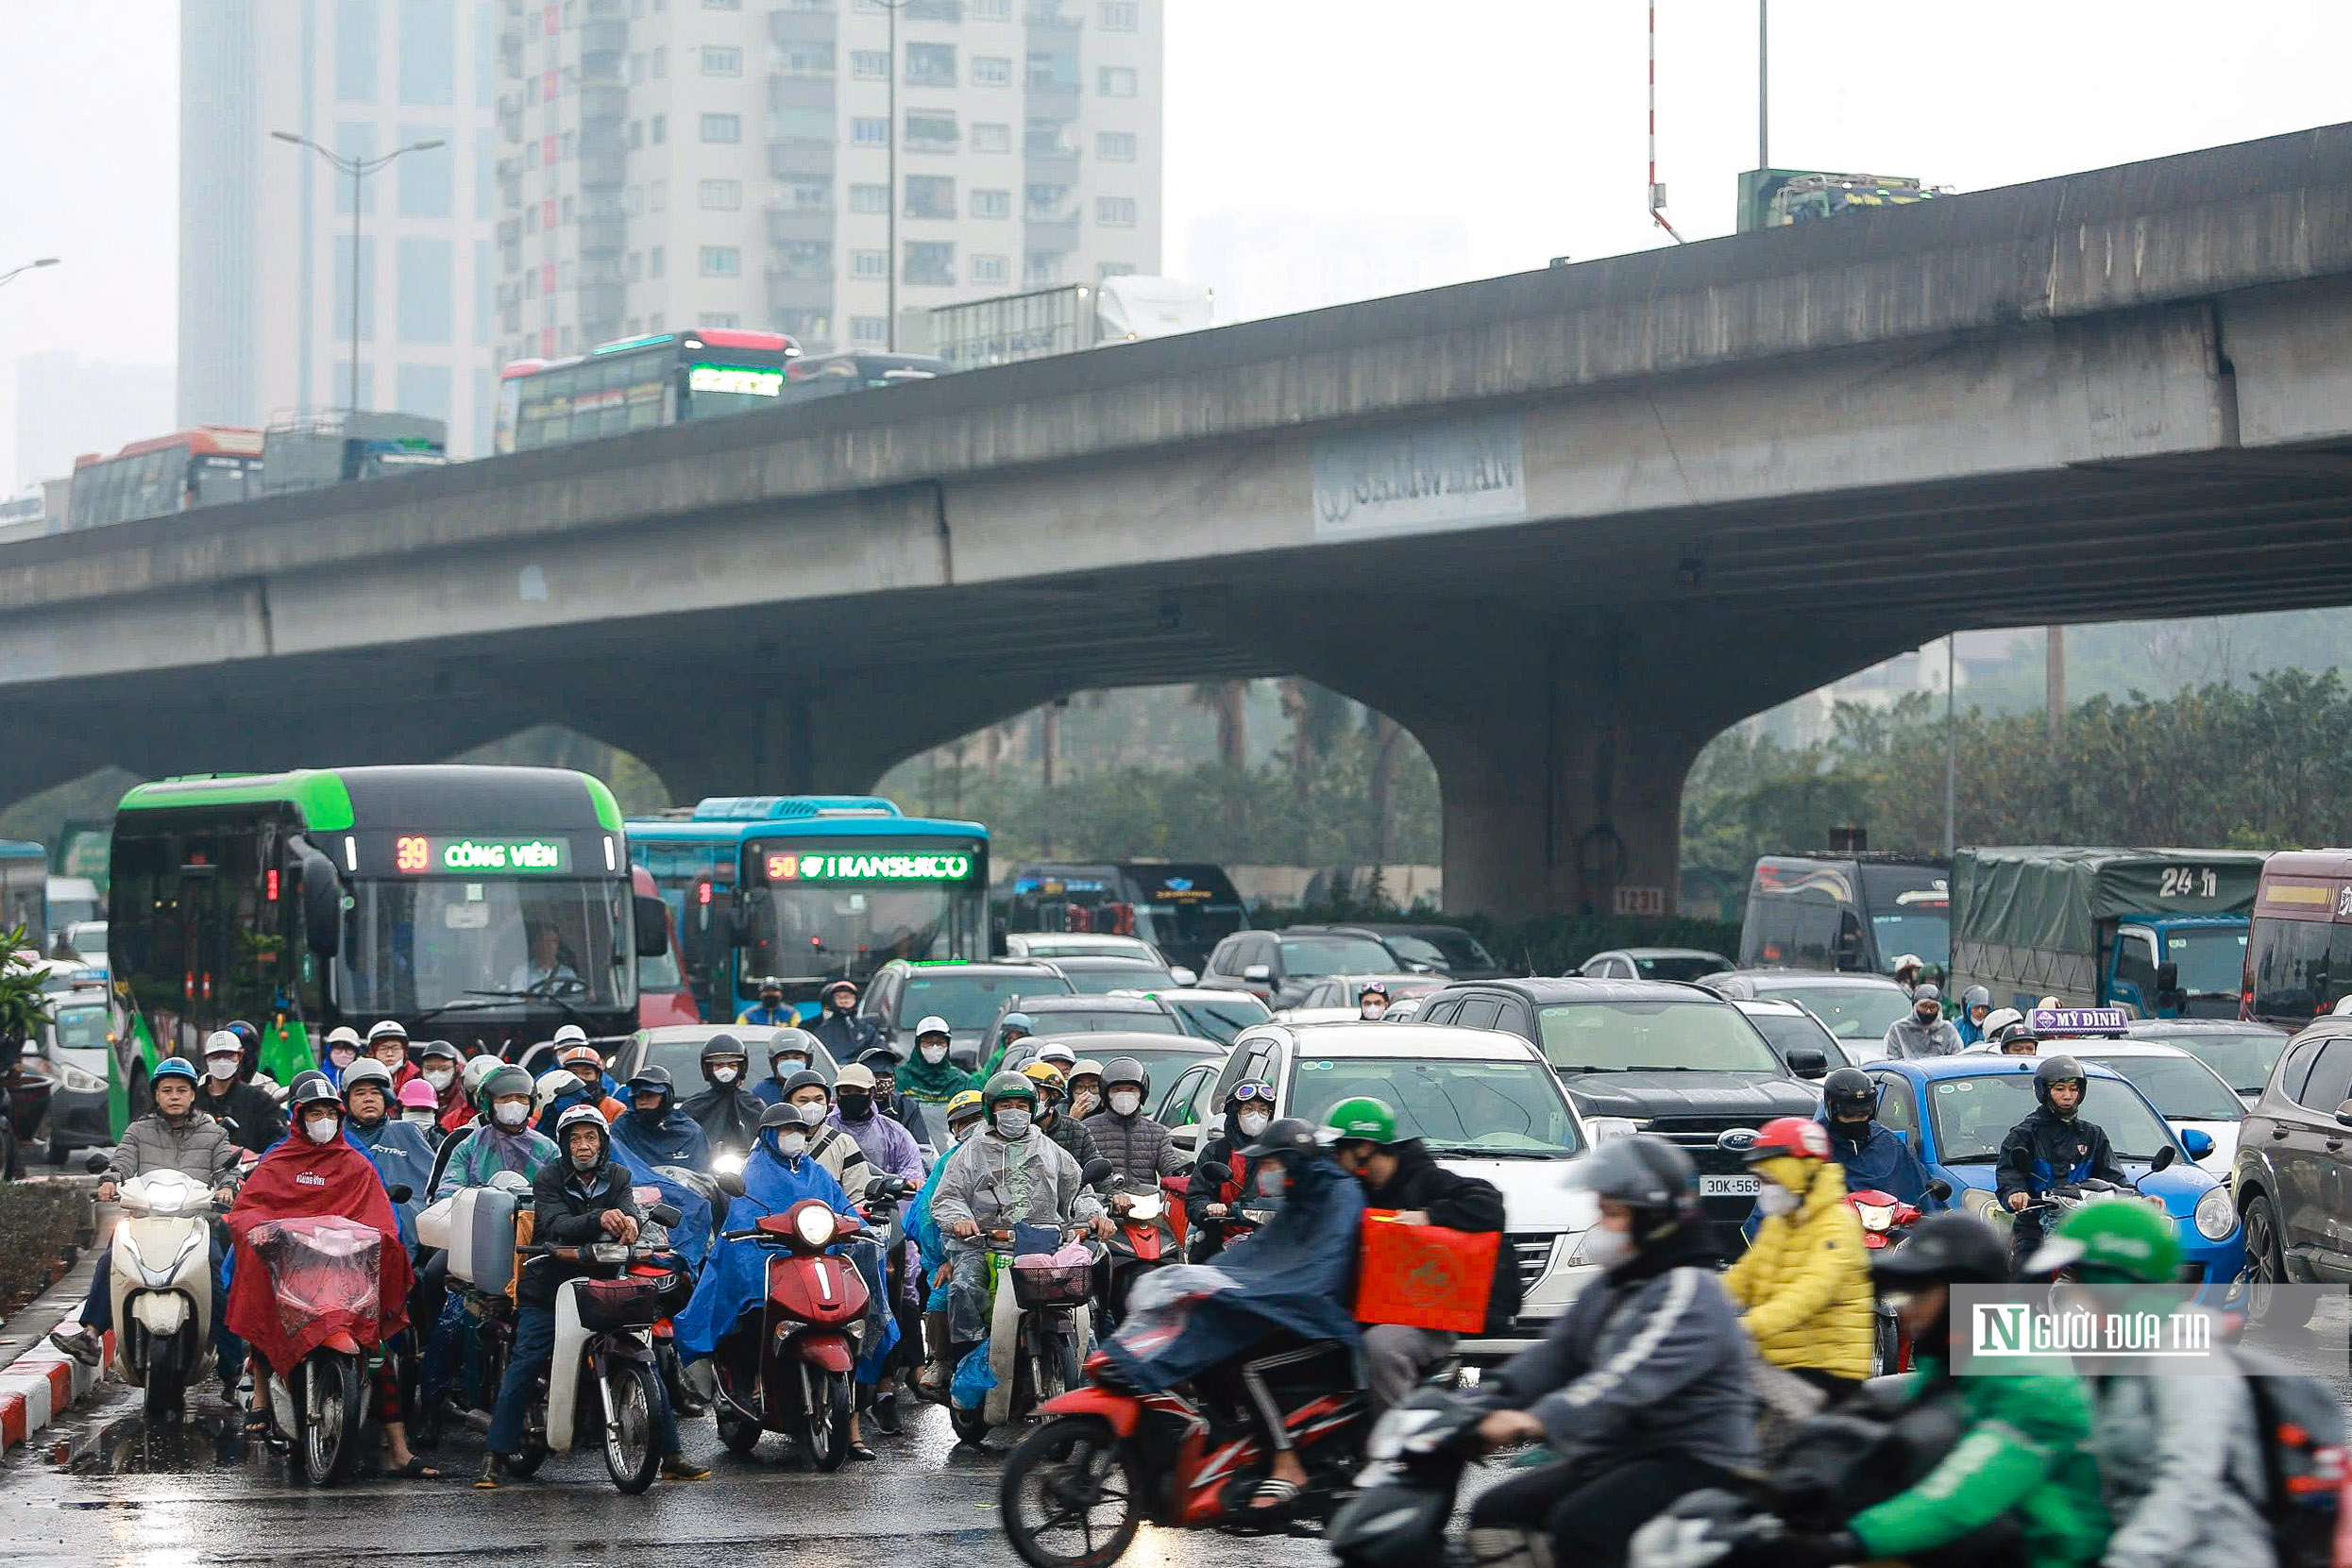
{"points": [[1423, 1276]]}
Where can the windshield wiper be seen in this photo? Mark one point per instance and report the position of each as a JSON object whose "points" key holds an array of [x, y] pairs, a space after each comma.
{"points": [[1971, 1159], [1479, 1151], [464, 999]]}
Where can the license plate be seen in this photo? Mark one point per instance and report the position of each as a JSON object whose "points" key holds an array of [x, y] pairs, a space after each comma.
{"points": [[1730, 1186]]}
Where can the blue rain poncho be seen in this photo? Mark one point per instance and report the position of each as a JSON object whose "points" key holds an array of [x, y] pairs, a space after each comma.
{"points": [[735, 1279]]}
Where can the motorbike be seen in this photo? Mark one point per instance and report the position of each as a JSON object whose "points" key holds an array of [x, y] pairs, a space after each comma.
{"points": [[322, 1266], [1148, 1236], [1109, 1459], [161, 1291], [785, 1366], [1886, 1220], [1405, 1493]]}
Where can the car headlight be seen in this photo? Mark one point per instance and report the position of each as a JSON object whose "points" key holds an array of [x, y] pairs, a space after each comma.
{"points": [[2216, 1215], [75, 1080], [1606, 1129]]}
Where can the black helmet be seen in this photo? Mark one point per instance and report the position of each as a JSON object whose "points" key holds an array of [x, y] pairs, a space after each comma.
{"points": [[652, 1078], [803, 1079], [721, 1045], [1850, 1089], [309, 1089], [1951, 1248], [2053, 1071], [2018, 1032], [1125, 1069], [1289, 1139], [790, 1039], [1654, 1178]]}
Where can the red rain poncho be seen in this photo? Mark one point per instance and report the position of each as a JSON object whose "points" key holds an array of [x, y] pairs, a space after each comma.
{"points": [[299, 1180]]}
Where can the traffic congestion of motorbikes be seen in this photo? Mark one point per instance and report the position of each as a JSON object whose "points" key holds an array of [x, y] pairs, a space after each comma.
{"points": [[1275, 1328]]}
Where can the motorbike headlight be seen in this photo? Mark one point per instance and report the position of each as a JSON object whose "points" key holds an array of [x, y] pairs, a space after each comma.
{"points": [[2216, 1215], [814, 1225], [728, 1164], [1876, 1216]]}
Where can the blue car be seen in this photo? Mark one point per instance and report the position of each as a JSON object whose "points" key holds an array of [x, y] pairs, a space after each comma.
{"points": [[1956, 1110]]}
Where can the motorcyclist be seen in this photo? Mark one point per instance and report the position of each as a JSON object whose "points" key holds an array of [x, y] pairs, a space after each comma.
{"points": [[246, 1111], [1923, 1031], [1400, 1176], [789, 1051], [2018, 1039], [503, 1140], [1642, 1386], [727, 1111], [402, 1153], [1211, 1206], [1875, 1157], [653, 1127], [828, 1145], [771, 1009], [929, 1077], [844, 1034], [441, 1068], [2025, 1453], [2182, 1457], [250, 1068], [1086, 1088], [1372, 1001], [1068, 1131], [1011, 1030], [421, 1109], [1975, 1004], [2053, 1147], [1804, 1284], [344, 1047], [595, 1086], [176, 1135], [889, 1149], [388, 1041], [579, 1198], [889, 1099], [1287, 1304], [463, 1115], [964, 1114], [1136, 1143], [1906, 969]]}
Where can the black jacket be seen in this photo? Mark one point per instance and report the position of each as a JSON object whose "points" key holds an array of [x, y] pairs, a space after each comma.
{"points": [[2043, 1151], [1073, 1136], [1208, 1235], [250, 1115], [567, 1211], [1458, 1203], [846, 1035], [728, 1114]]}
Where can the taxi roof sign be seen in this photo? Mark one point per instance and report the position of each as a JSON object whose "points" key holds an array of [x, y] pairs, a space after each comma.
{"points": [[2058, 1023]]}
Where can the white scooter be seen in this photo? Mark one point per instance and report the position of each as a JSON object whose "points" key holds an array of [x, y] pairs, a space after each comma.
{"points": [[161, 1290]]}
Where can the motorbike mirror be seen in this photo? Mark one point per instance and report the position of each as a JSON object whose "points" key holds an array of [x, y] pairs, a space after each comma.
{"points": [[94, 1164], [729, 1182], [2164, 1158], [664, 1215], [399, 1192], [1215, 1170], [1939, 1189], [885, 1186], [1096, 1172]]}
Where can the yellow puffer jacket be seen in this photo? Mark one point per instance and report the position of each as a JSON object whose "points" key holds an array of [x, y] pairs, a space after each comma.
{"points": [[1805, 1283]]}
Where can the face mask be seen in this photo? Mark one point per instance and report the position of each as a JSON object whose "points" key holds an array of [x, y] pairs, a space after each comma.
{"points": [[221, 1067], [792, 1145], [1608, 1248], [509, 1116], [1272, 1183], [856, 1108], [1373, 1009], [1125, 1102], [439, 1077], [1084, 1103], [1251, 1123], [419, 1118], [1012, 1123], [1775, 1199], [958, 1135], [585, 1162], [934, 1052], [787, 1066], [320, 1129], [723, 1075]]}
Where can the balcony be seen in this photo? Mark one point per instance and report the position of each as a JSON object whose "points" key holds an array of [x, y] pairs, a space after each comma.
{"points": [[602, 171], [603, 103], [788, 293], [935, 11], [1049, 14], [792, 159], [602, 235], [1051, 234], [1049, 164], [790, 225], [602, 38]]}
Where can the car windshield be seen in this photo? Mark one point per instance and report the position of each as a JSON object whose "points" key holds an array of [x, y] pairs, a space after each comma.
{"points": [[1101, 979], [2244, 1060], [1460, 1108], [1165, 1064], [1224, 1019], [1974, 1115], [82, 1028], [1619, 1036], [1849, 1012], [1079, 1021], [436, 943], [2180, 1087], [1420, 950], [1801, 1032], [2212, 959], [1676, 966], [967, 1001], [1304, 956]]}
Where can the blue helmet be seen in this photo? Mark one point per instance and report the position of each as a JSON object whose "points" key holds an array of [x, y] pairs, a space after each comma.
{"points": [[172, 1066], [1021, 1021]]}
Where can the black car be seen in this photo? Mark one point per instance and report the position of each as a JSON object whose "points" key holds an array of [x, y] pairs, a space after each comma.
{"points": [[1651, 1056], [2293, 1164], [1446, 949], [1279, 968], [968, 994]]}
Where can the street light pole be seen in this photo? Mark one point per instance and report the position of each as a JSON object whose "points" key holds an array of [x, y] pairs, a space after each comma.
{"points": [[359, 169], [889, 232], [1764, 84], [44, 262]]}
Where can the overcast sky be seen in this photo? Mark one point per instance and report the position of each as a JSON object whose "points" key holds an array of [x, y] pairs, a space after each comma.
{"points": [[1319, 150]]}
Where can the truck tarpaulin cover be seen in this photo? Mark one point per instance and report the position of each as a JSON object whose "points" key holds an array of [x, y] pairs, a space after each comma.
{"points": [[2054, 898]]}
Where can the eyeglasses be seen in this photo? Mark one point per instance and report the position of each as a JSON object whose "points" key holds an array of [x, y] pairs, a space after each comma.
{"points": [[1253, 1091]]}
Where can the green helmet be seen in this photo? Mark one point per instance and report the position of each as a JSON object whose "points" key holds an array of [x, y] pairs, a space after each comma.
{"points": [[1008, 1086], [1363, 1120], [2121, 1239]]}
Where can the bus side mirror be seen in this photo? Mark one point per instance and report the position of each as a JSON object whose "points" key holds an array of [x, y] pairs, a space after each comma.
{"points": [[653, 926], [322, 904], [751, 914]]}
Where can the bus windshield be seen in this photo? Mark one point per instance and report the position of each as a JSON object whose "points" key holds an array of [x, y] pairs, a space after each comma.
{"points": [[438, 945], [812, 932]]}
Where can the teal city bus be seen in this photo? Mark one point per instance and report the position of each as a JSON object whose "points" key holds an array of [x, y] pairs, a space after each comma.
{"points": [[487, 906], [807, 888]]}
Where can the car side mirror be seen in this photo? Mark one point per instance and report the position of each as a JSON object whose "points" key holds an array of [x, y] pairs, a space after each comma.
{"points": [[2163, 1160], [95, 1164], [2168, 977], [2199, 1142], [1939, 1189], [653, 926], [1806, 1062], [1183, 976], [1258, 974], [2343, 1114], [322, 903]]}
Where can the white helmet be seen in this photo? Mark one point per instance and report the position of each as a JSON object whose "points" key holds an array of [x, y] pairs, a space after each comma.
{"points": [[386, 1029], [571, 1034], [561, 1081], [933, 1024]]}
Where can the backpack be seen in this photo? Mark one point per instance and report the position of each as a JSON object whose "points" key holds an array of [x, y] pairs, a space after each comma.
{"points": [[2301, 1427]]}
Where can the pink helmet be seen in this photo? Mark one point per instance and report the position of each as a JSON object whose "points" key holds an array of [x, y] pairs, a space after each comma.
{"points": [[418, 1094]]}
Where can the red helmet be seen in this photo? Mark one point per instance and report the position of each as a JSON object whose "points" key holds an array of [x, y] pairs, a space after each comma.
{"points": [[1795, 1136]]}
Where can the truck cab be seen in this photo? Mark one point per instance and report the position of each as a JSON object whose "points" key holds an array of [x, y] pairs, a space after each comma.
{"points": [[2184, 965]]}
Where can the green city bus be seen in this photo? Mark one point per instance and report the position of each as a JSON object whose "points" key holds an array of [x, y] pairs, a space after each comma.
{"points": [[487, 906]]}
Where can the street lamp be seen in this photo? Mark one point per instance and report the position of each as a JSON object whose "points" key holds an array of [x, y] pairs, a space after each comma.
{"points": [[889, 233], [359, 169], [44, 262]]}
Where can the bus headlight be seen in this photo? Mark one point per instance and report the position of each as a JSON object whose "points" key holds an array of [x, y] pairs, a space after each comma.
{"points": [[2216, 1215]]}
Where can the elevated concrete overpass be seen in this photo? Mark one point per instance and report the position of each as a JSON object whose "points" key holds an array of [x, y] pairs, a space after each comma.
{"points": [[1564, 526]]}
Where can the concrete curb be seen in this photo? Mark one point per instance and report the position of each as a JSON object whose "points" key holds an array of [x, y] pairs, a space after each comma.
{"points": [[40, 1384]]}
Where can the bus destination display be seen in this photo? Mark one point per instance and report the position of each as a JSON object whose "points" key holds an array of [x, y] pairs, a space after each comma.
{"points": [[418, 854]]}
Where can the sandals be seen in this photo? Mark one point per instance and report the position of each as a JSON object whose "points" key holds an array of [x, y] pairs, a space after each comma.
{"points": [[1273, 1495], [859, 1451], [416, 1470]]}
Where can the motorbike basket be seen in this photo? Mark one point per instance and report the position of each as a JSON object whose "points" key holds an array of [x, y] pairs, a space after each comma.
{"points": [[610, 1304], [1051, 1285]]}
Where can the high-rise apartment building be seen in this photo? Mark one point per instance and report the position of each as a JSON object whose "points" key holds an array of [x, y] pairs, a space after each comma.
{"points": [[670, 163], [266, 266]]}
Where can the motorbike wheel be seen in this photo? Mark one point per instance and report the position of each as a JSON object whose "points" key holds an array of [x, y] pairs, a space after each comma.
{"points": [[166, 1390], [1068, 1495], [1887, 1348], [740, 1436], [828, 1419], [630, 1456], [334, 1404]]}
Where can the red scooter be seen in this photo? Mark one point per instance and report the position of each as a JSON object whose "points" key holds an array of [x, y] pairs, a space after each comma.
{"points": [[785, 1366], [1887, 1219], [1148, 1235]]}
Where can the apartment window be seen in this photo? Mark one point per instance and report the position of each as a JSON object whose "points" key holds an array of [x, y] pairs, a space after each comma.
{"points": [[865, 132], [806, 259], [991, 204], [806, 59], [811, 329], [428, 45], [1119, 16], [992, 10], [930, 65], [988, 269], [722, 60], [718, 318], [930, 195], [992, 137], [428, 180], [931, 130], [721, 261], [355, 51], [1041, 266], [1115, 211], [659, 130], [929, 261], [721, 195], [658, 195], [636, 134], [871, 65], [424, 303], [869, 198], [1115, 269], [870, 264], [723, 5], [991, 71], [1115, 147], [661, 64], [870, 332], [723, 127], [1044, 201], [653, 264], [1115, 81], [807, 195]]}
